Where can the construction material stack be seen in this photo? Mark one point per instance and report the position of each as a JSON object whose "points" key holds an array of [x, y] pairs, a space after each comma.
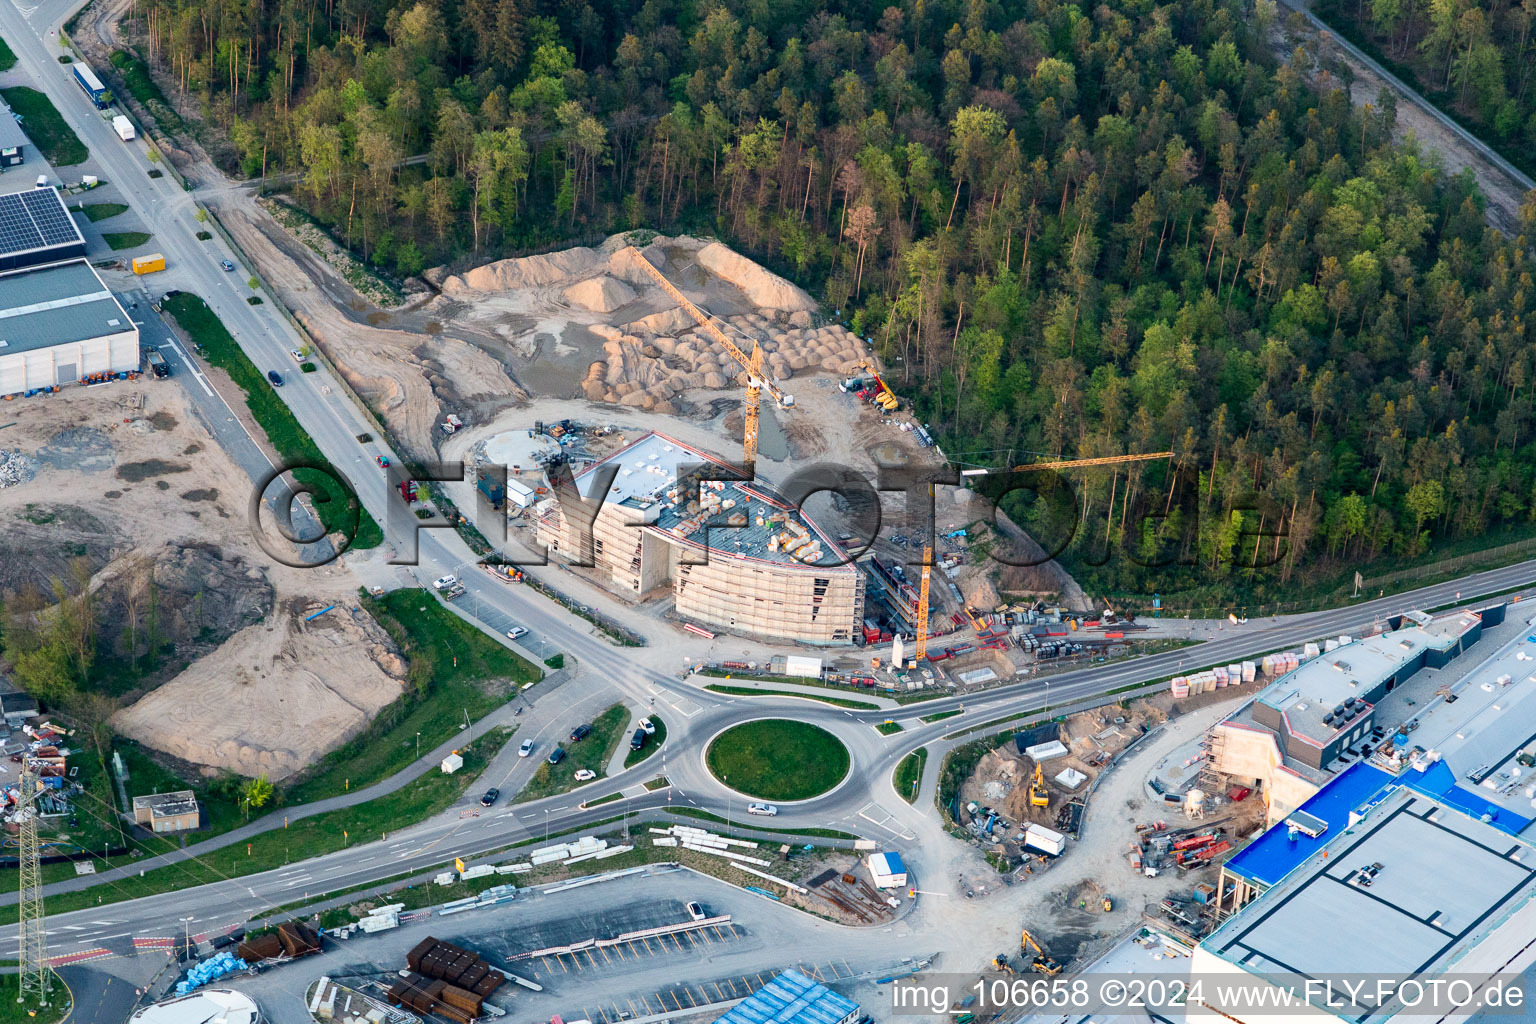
{"points": [[446, 980], [292, 940]]}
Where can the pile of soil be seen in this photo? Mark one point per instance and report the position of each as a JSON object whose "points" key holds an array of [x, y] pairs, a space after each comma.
{"points": [[764, 288]]}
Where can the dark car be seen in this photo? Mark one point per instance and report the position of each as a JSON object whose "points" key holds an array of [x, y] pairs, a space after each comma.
{"points": [[557, 755], [275, 377], [580, 733], [491, 796], [638, 739]]}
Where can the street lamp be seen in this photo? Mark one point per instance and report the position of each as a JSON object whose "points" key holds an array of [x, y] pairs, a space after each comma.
{"points": [[186, 931]]}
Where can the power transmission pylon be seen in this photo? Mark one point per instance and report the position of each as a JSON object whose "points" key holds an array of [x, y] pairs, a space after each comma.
{"points": [[36, 975]]}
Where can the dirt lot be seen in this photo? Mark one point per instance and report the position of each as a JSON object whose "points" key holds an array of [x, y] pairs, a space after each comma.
{"points": [[123, 477]]}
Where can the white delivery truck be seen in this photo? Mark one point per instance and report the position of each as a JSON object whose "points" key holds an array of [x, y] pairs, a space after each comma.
{"points": [[123, 127]]}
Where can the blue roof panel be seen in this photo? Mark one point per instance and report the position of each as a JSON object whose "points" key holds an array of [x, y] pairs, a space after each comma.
{"points": [[1274, 854], [791, 998], [1440, 782]]}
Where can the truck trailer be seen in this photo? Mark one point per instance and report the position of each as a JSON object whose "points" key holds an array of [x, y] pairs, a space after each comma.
{"points": [[87, 80], [123, 127], [157, 364]]}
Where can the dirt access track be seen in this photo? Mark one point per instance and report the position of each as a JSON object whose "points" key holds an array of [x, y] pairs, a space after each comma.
{"points": [[124, 478]]}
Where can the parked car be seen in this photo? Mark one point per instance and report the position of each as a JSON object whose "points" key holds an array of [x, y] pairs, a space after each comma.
{"points": [[580, 733], [382, 460], [637, 740], [525, 749], [557, 755], [649, 726], [298, 357], [444, 582], [275, 377], [490, 797], [768, 810], [227, 265], [517, 631], [696, 912], [585, 775]]}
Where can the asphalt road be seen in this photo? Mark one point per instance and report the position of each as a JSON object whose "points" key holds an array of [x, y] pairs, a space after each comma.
{"points": [[865, 803]]}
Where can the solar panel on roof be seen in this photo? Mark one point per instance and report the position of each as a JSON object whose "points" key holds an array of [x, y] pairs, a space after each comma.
{"points": [[35, 220]]}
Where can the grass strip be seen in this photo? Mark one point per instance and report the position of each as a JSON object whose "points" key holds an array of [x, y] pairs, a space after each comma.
{"points": [[748, 691], [119, 240], [592, 753], [48, 131], [888, 728], [652, 744], [339, 510], [7, 57], [303, 839], [101, 211], [909, 772], [940, 716]]}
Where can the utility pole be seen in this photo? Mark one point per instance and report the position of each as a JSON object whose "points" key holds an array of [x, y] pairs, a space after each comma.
{"points": [[36, 975]]}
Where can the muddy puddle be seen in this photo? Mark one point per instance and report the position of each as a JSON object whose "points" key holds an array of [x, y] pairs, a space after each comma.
{"points": [[772, 443], [555, 365]]}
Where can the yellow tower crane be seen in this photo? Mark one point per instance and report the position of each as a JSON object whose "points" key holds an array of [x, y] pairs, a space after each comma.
{"points": [[757, 380], [920, 649]]}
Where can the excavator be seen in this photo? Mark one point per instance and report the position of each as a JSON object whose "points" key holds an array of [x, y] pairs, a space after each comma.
{"points": [[1039, 796], [1000, 962], [1042, 963]]}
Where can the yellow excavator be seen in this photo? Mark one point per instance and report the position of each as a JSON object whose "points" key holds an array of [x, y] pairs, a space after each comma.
{"points": [[1039, 796], [1042, 963], [1000, 962]]}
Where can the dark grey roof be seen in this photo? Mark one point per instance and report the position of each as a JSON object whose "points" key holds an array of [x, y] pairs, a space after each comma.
{"points": [[56, 305], [37, 220], [11, 134]]}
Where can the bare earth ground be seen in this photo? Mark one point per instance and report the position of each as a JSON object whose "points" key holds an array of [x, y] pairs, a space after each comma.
{"points": [[155, 498]]}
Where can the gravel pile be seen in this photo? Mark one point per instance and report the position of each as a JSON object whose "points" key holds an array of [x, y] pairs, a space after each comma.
{"points": [[16, 468]]}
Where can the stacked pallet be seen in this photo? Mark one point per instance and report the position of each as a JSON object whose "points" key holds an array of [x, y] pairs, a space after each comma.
{"points": [[458, 968], [293, 939], [435, 996]]}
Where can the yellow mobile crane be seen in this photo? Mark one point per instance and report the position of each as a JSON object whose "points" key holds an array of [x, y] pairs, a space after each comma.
{"points": [[757, 380], [920, 649]]}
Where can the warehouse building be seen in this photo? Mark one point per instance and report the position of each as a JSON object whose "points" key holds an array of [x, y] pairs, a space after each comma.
{"points": [[792, 998], [60, 324], [13, 141], [1413, 887], [736, 556], [36, 228]]}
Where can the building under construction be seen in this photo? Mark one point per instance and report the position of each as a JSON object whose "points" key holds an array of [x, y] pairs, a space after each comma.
{"points": [[737, 556]]}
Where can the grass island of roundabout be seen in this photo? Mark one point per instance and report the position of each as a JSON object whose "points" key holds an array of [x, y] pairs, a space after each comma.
{"points": [[778, 759]]}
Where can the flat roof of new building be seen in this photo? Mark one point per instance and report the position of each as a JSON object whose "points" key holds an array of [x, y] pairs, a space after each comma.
{"points": [[1309, 695], [650, 468], [791, 998], [1277, 852], [1446, 883], [56, 305], [11, 134], [164, 805], [37, 220]]}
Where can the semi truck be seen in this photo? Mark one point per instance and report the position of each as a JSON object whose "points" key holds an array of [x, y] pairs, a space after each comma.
{"points": [[157, 364], [123, 127], [148, 264], [87, 80]]}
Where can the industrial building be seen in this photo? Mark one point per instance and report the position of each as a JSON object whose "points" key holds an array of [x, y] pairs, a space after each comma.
{"points": [[59, 325], [1413, 886], [13, 141], [167, 812], [792, 998], [887, 870], [1319, 718], [737, 556], [36, 229]]}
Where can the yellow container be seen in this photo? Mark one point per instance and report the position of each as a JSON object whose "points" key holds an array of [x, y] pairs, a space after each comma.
{"points": [[148, 264]]}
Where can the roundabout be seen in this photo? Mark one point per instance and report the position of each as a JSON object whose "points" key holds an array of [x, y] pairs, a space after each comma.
{"points": [[778, 759]]}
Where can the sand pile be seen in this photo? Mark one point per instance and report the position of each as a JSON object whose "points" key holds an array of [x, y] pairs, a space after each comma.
{"points": [[284, 693], [766, 289], [523, 272], [647, 371], [600, 294]]}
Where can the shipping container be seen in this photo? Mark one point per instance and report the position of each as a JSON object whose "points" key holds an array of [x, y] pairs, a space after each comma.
{"points": [[148, 264]]}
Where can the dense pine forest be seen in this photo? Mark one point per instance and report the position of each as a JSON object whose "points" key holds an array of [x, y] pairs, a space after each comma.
{"points": [[1478, 59], [1067, 229]]}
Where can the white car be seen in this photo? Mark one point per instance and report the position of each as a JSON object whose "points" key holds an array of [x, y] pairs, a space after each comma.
{"points": [[516, 631], [649, 726], [696, 912], [444, 582], [525, 749], [298, 356], [585, 775], [767, 810]]}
